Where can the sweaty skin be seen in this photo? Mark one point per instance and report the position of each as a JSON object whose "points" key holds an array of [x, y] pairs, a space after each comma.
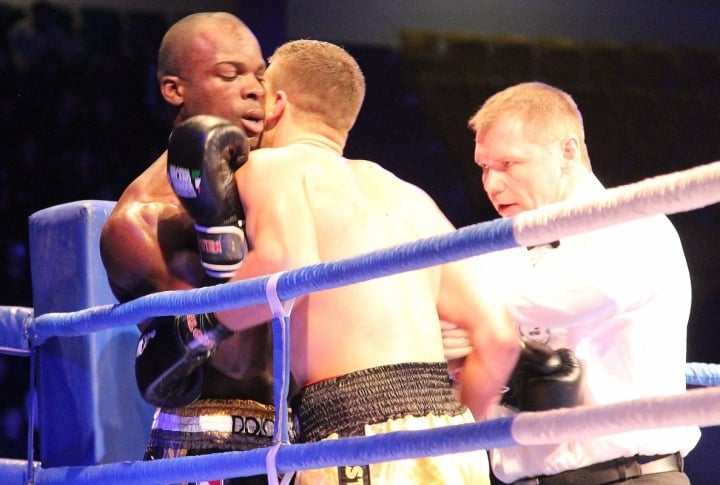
{"points": [[211, 64], [149, 213], [306, 203], [338, 331]]}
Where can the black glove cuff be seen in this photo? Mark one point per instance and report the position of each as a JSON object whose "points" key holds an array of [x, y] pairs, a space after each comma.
{"points": [[201, 333]]}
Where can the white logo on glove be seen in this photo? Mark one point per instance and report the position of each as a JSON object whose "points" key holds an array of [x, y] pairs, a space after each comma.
{"points": [[182, 182]]}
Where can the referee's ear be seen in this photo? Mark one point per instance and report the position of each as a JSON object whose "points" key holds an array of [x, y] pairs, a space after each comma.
{"points": [[570, 153]]}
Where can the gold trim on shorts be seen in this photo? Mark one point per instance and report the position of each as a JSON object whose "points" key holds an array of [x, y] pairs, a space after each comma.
{"points": [[211, 425]]}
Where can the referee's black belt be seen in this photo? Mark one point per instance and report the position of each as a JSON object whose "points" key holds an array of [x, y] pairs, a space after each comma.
{"points": [[611, 471]]}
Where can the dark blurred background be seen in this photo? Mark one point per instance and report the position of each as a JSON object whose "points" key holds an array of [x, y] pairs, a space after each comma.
{"points": [[80, 114]]}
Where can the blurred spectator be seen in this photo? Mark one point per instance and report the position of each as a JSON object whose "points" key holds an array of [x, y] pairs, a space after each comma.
{"points": [[15, 287], [40, 36]]}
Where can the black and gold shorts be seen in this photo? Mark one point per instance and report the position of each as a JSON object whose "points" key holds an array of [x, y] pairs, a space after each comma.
{"points": [[212, 426]]}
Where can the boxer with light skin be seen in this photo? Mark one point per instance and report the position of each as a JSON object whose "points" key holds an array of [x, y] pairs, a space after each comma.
{"points": [[362, 344]]}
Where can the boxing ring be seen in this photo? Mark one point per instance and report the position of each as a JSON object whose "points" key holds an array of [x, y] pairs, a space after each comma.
{"points": [[81, 345]]}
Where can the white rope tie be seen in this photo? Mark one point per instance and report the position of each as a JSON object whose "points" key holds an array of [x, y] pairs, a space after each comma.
{"points": [[280, 309], [281, 314]]}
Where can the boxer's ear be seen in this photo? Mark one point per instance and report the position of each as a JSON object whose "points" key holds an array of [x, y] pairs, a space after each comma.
{"points": [[172, 89], [276, 109]]}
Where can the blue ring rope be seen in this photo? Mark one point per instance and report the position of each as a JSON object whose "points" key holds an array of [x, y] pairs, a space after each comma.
{"points": [[700, 374], [465, 242], [355, 450], [695, 407]]}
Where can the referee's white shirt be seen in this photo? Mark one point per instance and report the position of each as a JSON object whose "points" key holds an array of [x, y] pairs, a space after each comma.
{"points": [[620, 299]]}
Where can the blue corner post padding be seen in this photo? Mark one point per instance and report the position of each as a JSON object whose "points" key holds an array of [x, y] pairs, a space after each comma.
{"points": [[89, 409]]}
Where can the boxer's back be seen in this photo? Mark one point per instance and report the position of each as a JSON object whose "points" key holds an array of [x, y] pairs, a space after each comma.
{"points": [[356, 207]]}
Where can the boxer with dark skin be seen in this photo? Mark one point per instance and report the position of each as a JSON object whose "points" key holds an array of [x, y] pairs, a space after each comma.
{"points": [[208, 63]]}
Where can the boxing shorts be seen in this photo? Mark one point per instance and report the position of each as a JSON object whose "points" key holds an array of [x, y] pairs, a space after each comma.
{"points": [[407, 396], [211, 426]]}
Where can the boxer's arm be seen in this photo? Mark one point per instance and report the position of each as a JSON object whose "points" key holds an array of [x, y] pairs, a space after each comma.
{"points": [[148, 242], [279, 224], [466, 299], [130, 262], [170, 356]]}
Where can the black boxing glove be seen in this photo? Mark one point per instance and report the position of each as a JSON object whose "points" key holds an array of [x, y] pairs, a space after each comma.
{"points": [[170, 357], [203, 153], [543, 379]]}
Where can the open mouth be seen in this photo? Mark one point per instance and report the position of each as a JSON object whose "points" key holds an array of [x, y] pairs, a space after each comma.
{"points": [[502, 209], [253, 126], [253, 121]]}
